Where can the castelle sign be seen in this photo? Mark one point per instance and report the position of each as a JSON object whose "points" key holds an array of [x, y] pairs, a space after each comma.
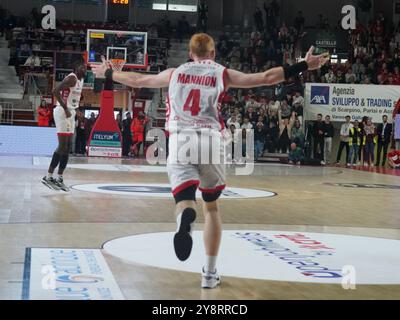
{"points": [[273, 255]]}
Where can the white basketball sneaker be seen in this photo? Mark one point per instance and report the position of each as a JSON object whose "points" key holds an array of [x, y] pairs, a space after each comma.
{"points": [[210, 280]]}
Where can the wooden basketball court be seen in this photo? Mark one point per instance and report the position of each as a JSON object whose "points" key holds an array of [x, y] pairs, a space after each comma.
{"points": [[306, 200]]}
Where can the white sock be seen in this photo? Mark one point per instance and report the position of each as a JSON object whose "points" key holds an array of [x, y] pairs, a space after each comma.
{"points": [[49, 175], [60, 177], [211, 262]]}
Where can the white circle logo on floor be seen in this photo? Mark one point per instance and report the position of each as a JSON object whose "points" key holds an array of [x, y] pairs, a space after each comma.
{"points": [[164, 190], [274, 255]]}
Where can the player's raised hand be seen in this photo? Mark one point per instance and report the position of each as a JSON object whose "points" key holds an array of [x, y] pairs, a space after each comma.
{"points": [[316, 62], [99, 70]]}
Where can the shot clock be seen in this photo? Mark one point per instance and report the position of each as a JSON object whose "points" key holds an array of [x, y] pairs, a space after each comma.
{"points": [[120, 2]]}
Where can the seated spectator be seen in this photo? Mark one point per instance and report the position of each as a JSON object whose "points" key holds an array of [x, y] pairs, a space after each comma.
{"points": [[246, 124], [232, 121], [330, 76], [350, 76], [33, 61], [295, 154], [251, 115], [297, 135]]}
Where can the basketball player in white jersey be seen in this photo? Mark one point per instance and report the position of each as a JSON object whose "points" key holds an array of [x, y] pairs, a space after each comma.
{"points": [[68, 95], [195, 92]]}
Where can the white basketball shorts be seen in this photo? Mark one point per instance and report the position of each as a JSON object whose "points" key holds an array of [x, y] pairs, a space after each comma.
{"points": [[65, 126], [209, 176]]}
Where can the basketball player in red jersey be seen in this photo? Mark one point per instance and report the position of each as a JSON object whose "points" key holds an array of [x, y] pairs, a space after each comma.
{"points": [[195, 91], [68, 95]]}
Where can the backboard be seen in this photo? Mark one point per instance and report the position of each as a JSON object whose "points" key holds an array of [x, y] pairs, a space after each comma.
{"points": [[112, 44]]}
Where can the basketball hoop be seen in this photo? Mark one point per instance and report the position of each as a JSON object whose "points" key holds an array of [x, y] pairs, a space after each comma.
{"points": [[117, 64]]}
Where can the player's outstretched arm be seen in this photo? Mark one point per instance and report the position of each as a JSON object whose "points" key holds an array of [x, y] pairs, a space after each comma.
{"points": [[133, 79], [236, 79], [138, 80]]}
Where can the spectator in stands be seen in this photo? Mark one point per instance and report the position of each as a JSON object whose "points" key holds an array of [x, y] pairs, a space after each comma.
{"points": [[81, 133], [259, 139], [126, 135], [328, 137], [271, 140], [344, 140], [354, 143], [370, 141], [35, 17], [246, 123], [258, 19], [318, 135], [232, 121], [252, 103], [350, 76], [237, 114], [362, 144], [285, 109], [396, 129], [295, 154], [297, 135], [152, 32], [183, 28], [202, 11], [3, 15], [384, 134], [299, 22], [91, 121], [33, 61], [298, 106], [43, 114], [285, 131], [138, 128], [118, 119], [252, 116], [330, 76]]}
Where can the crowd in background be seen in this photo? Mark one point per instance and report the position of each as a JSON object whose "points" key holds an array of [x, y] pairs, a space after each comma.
{"points": [[276, 113]]}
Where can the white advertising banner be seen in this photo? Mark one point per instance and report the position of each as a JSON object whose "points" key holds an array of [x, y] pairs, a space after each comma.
{"points": [[68, 274], [356, 100], [105, 152]]}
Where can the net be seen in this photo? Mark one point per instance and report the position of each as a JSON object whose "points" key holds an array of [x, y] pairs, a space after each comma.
{"points": [[117, 64]]}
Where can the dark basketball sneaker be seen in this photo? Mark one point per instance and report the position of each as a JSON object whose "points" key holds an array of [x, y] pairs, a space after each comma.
{"points": [[60, 184], [183, 241], [50, 183]]}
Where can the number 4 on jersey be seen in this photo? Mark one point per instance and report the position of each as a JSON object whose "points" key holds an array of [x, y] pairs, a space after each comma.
{"points": [[192, 103]]}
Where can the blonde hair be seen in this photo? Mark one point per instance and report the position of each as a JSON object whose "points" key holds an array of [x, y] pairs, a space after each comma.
{"points": [[201, 45]]}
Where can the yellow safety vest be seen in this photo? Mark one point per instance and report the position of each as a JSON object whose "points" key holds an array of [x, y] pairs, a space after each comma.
{"points": [[351, 142]]}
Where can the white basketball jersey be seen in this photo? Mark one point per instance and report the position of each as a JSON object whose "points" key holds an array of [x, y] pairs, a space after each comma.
{"points": [[195, 94], [73, 95]]}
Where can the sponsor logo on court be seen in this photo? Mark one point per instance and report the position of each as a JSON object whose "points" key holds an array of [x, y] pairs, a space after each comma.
{"points": [[68, 274], [362, 185], [275, 255], [320, 95], [164, 191]]}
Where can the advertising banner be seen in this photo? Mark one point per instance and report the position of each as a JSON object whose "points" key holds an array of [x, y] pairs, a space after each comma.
{"points": [[339, 100]]}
